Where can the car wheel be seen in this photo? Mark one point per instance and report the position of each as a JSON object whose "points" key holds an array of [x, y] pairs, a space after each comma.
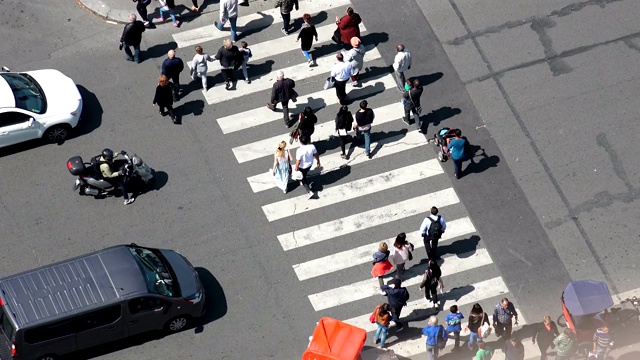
{"points": [[176, 324], [56, 134], [48, 357]]}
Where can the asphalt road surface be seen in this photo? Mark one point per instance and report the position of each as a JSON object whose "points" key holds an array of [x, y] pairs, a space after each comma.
{"points": [[521, 225]]}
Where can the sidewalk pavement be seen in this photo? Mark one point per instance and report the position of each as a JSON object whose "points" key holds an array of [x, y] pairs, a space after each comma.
{"points": [[118, 10]]}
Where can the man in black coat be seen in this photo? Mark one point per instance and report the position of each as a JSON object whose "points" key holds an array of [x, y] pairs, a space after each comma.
{"points": [[412, 104], [281, 92], [132, 36], [172, 66], [397, 297]]}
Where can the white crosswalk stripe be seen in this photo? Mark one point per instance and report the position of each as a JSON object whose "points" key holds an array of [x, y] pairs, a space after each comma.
{"points": [[262, 115], [258, 20], [271, 48], [218, 94], [362, 254], [315, 248], [332, 162], [362, 187], [323, 131], [375, 217]]}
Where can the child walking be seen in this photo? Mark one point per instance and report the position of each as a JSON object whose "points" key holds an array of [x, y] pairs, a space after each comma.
{"points": [[246, 55], [168, 6], [381, 263], [307, 34]]}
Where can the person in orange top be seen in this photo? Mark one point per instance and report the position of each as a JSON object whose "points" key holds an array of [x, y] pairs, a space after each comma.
{"points": [[382, 320], [381, 263]]}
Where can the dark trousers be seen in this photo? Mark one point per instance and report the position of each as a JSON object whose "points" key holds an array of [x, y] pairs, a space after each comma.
{"points": [[457, 166], [431, 293], [304, 180], [142, 10], [395, 315], [430, 246], [341, 91], [343, 142], [543, 346], [169, 110], [136, 52], [286, 21], [407, 117], [503, 330], [195, 3], [175, 79], [456, 337], [229, 75], [119, 182], [285, 111]]}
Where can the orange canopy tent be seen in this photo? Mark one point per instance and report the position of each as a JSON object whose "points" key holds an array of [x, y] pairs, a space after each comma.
{"points": [[334, 340]]}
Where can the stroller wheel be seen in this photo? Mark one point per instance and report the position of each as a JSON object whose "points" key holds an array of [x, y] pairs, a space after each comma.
{"points": [[441, 157]]}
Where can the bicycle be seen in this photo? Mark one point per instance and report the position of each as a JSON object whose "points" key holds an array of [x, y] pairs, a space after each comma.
{"points": [[626, 315]]}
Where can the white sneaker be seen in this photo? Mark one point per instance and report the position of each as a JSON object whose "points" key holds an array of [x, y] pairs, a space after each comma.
{"points": [[129, 201], [311, 194], [310, 62]]}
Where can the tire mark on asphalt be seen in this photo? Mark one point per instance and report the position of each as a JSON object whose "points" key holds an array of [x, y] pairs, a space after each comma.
{"points": [[536, 149]]}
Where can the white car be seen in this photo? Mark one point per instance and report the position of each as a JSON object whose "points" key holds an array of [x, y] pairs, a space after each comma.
{"points": [[37, 104]]}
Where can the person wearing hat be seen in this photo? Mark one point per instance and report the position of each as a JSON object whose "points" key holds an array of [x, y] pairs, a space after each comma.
{"points": [[355, 57]]}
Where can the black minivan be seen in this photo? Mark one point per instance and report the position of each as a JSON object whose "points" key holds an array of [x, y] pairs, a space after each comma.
{"points": [[94, 299]]}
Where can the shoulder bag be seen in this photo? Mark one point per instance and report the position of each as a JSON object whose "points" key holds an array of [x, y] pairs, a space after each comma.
{"points": [[485, 329], [417, 109]]}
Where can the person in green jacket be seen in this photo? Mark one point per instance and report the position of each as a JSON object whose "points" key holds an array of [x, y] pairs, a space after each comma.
{"points": [[484, 352], [565, 343]]}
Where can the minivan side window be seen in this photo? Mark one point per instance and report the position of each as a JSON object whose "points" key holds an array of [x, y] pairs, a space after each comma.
{"points": [[50, 331], [6, 326], [147, 303], [98, 318]]}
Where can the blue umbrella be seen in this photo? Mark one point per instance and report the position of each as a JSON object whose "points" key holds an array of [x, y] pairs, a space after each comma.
{"points": [[585, 297]]}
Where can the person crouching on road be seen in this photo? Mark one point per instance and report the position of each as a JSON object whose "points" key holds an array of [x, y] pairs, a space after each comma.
{"points": [[164, 97]]}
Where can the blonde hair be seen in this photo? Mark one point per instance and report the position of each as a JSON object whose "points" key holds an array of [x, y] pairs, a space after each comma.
{"points": [[280, 150], [383, 247], [227, 43], [547, 319]]}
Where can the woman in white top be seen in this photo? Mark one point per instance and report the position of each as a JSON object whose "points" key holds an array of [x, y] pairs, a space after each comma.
{"points": [[401, 253], [199, 66], [282, 166]]}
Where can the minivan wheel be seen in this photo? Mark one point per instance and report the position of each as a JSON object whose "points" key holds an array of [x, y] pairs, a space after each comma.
{"points": [[56, 134], [48, 357], [177, 324]]}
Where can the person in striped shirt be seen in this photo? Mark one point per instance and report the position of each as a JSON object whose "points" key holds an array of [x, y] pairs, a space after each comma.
{"points": [[602, 341]]}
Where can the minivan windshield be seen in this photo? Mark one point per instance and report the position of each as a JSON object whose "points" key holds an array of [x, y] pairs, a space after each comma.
{"points": [[27, 92], [157, 275]]}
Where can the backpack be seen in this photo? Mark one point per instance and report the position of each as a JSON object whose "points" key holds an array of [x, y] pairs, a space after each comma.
{"points": [[435, 229], [442, 337]]}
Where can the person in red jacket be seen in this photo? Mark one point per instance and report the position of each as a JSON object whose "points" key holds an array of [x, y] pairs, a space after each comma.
{"points": [[349, 26]]}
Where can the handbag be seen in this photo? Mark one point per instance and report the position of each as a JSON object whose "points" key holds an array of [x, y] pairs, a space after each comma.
{"points": [[372, 318], [331, 82], [417, 109], [296, 175], [336, 36], [485, 329]]}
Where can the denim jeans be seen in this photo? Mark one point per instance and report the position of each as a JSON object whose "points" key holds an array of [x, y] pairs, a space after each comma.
{"points": [[381, 333], [457, 166], [473, 338], [232, 23], [306, 54], [136, 52], [432, 352], [244, 70], [173, 17], [367, 140]]}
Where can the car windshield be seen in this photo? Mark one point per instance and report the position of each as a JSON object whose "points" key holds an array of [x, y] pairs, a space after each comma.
{"points": [[27, 92], [156, 274]]}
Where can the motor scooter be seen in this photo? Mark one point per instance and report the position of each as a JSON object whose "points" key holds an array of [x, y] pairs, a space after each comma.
{"points": [[90, 181]]}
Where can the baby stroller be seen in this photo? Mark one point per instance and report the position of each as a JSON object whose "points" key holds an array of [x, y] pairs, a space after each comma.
{"points": [[441, 142]]}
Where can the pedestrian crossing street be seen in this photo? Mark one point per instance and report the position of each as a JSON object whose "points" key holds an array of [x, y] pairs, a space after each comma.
{"points": [[340, 246]]}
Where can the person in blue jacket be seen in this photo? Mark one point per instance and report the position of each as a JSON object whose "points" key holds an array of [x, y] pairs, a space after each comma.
{"points": [[454, 324], [436, 337]]}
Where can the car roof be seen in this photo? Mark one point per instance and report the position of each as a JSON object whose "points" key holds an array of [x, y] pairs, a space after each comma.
{"points": [[7, 100], [72, 286]]}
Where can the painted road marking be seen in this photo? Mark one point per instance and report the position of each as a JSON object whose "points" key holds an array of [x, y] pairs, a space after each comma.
{"points": [[362, 254], [352, 190], [370, 287], [254, 21]]}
